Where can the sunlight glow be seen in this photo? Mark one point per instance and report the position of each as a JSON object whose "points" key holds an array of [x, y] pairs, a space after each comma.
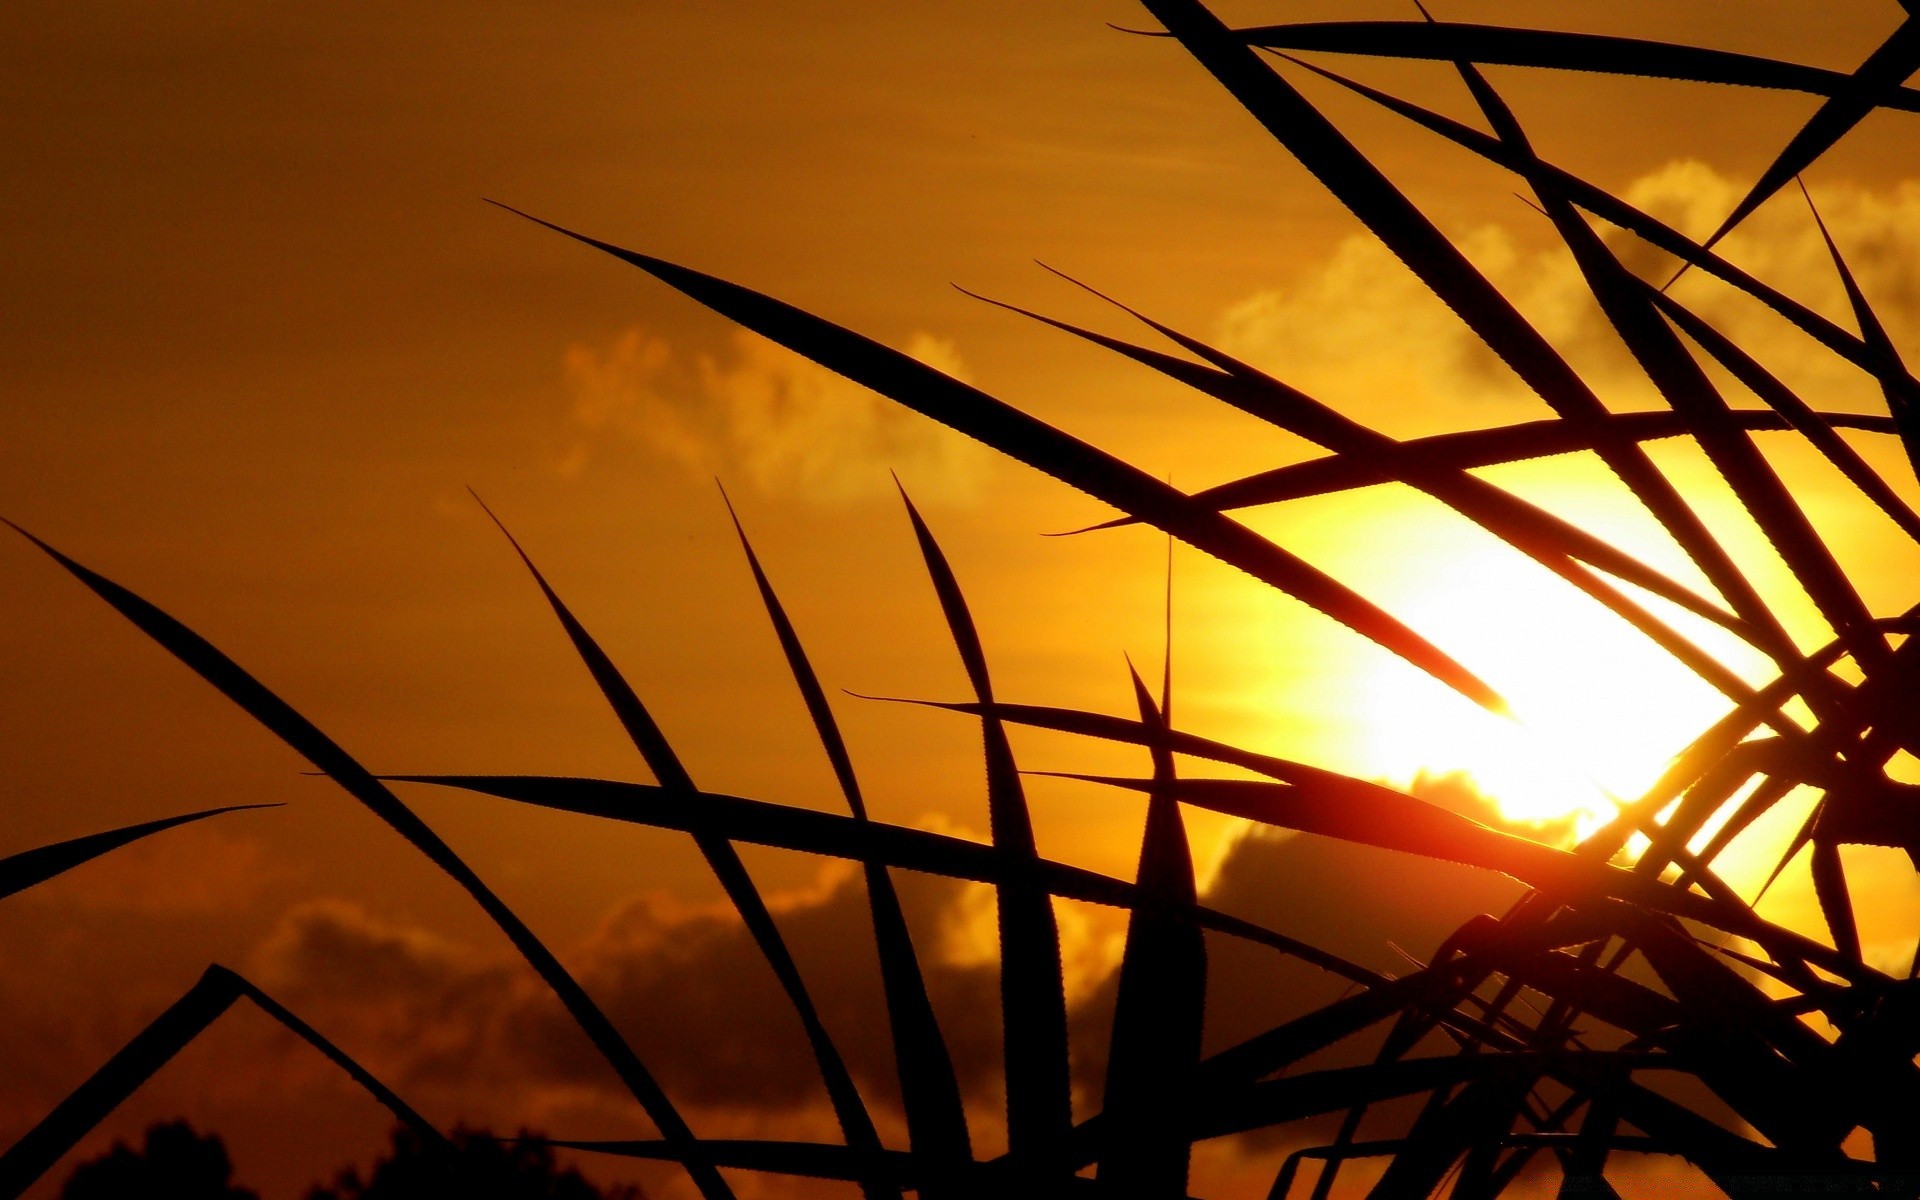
{"points": [[1601, 709]]}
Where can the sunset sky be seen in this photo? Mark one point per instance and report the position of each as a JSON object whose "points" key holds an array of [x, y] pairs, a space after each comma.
{"points": [[261, 333]]}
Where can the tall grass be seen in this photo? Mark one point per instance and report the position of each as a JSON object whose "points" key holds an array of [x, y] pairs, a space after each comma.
{"points": [[1560, 1023]]}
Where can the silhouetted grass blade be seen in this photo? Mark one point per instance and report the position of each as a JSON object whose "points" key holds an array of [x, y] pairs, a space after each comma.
{"points": [[1159, 1010], [1371, 815], [299, 733], [851, 1111], [1405, 230], [1528, 528], [936, 1117], [385, 1095], [1817, 427], [1475, 448], [1902, 393], [802, 829], [1032, 990], [1448, 41], [1876, 79], [1836, 903], [21, 871], [1611, 208], [1686, 388], [152, 1048], [988, 420]]}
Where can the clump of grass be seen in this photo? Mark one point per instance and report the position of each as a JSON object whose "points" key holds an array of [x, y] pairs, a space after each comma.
{"points": [[1553, 1050]]}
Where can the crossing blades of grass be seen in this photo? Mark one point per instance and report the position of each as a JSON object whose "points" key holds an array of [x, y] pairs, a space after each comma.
{"points": [[986, 419], [320, 750], [1448, 41], [154, 1047], [1033, 1002], [936, 1117], [850, 1110], [1153, 1055]]}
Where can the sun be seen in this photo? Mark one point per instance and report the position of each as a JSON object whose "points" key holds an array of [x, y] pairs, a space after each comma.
{"points": [[1599, 709]]}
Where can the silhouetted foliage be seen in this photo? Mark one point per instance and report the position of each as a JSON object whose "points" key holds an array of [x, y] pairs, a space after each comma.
{"points": [[1550, 1034], [175, 1163], [477, 1167]]}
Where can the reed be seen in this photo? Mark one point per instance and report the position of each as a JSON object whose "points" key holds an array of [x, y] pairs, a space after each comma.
{"points": [[1555, 1052]]}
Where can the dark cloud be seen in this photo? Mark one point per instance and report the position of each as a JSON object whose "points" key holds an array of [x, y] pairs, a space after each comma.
{"points": [[696, 998]]}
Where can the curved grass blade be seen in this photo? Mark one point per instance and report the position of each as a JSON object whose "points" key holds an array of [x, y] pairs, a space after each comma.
{"points": [[1614, 210], [320, 750], [1405, 230], [1878, 77], [1039, 445], [21, 871], [1033, 1001], [761, 823], [1482, 1113], [1312, 1093], [154, 1047], [1377, 816], [1685, 387], [849, 1109], [1526, 527], [1471, 449], [930, 1092], [1153, 1057], [1817, 427], [1450, 41], [1897, 386], [1836, 903]]}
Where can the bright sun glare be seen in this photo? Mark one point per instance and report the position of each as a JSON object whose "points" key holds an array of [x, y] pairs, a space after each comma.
{"points": [[1601, 709]]}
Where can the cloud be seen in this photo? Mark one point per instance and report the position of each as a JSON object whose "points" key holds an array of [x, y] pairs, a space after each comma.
{"points": [[1364, 334], [759, 412], [691, 990]]}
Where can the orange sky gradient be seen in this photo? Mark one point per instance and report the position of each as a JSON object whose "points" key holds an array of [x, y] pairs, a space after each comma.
{"points": [[261, 334]]}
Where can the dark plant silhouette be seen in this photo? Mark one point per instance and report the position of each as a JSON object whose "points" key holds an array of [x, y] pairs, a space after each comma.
{"points": [[175, 1162], [477, 1166], [1632, 1004]]}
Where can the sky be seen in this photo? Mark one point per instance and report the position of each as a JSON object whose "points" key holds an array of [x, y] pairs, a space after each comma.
{"points": [[262, 333]]}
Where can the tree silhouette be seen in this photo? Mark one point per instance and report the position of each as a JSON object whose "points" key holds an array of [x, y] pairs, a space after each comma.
{"points": [[176, 1163], [480, 1167]]}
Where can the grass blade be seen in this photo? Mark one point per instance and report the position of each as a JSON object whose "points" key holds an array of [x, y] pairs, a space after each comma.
{"points": [[1526, 527], [320, 750], [1371, 815], [1836, 902], [1898, 386], [936, 1118], [1884, 71], [1475, 448], [1450, 41], [849, 1109], [21, 871], [1685, 387], [1405, 230], [1614, 210], [811, 832], [988, 420], [1033, 1000], [154, 1047], [1817, 427], [1154, 1055]]}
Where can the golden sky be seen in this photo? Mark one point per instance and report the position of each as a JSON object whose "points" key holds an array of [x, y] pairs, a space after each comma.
{"points": [[261, 333]]}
